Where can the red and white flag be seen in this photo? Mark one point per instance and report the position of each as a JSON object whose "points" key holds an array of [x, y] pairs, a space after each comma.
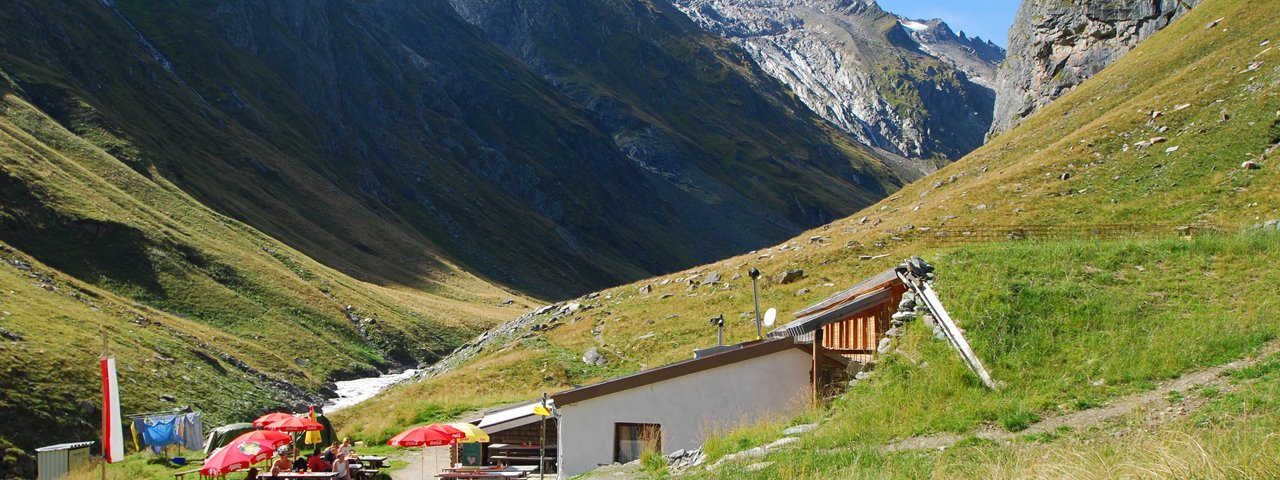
{"points": [[112, 432]]}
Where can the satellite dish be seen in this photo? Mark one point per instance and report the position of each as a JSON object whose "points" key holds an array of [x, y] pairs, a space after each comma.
{"points": [[769, 316]]}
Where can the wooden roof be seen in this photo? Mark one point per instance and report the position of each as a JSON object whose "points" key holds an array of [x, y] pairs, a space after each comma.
{"points": [[865, 295], [874, 282]]}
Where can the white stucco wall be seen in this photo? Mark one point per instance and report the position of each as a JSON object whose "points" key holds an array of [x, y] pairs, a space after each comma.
{"points": [[688, 408]]}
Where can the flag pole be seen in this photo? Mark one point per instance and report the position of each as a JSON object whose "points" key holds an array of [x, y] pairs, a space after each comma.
{"points": [[112, 439], [106, 350]]}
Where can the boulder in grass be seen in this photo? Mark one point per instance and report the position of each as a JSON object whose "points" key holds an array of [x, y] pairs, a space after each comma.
{"points": [[789, 276], [593, 357]]}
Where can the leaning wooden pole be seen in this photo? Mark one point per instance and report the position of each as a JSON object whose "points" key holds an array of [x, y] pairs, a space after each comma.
{"points": [[949, 329], [817, 363]]}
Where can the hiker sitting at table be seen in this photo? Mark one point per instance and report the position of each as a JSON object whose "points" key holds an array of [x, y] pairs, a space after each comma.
{"points": [[345, 447], [281, 465], [331, 453], [252, 475], [342, 467], [316, 463], [300, 463]]}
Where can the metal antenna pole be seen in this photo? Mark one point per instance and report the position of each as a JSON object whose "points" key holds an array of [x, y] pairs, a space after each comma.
{"points": [[542, 443], [755, 296], [719, 321]]}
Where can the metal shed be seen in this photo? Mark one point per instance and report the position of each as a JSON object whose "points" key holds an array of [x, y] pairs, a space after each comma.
{"points": [[55, 461]]}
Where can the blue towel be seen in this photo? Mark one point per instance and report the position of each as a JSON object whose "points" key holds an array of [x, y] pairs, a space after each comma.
{"points": [[160, 431]]}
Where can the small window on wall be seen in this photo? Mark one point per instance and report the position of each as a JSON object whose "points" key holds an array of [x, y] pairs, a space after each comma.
{"points": [[630, 440]]}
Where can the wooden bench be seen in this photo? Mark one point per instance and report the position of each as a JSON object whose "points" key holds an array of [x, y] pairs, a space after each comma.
{"points": [[178, 475]]}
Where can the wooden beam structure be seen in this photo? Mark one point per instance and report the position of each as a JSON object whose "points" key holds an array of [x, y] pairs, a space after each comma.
{"points": [[930, 299], [817, 365]]}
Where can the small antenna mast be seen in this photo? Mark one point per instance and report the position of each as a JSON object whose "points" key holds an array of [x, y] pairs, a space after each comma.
{"points": [[755, 296], [719, 323]]}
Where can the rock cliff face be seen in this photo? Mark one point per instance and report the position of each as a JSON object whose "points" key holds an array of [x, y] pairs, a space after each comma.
{"points": [[1054, 45], [914, 88]]}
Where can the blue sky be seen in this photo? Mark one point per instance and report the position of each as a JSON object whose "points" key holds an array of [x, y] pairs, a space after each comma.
{"points": [[989, 19]]}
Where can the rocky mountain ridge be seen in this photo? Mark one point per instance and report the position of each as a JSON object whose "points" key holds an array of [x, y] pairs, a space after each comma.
{"points": [[1055, 45], [979, 59], [912, 88]]}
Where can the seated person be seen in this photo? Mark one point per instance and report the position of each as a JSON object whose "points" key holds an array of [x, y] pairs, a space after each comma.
{"points": [[252, 475], [300, 464], [331, 453], [341, 466], [281, 465], [316, 463]]}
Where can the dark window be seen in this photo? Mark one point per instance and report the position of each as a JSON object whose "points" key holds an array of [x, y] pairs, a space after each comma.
{"points": [[630, 440]]}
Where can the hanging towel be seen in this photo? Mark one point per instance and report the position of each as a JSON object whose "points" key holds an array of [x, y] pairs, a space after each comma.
{"points": [[192, 431], [140, 430], [133, 429], [159, 431]]}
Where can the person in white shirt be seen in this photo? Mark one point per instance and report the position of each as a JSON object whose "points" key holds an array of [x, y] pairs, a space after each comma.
{"points": [[340, 466]]}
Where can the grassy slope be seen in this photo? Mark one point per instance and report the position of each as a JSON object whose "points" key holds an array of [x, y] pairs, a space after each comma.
{"points": [[172, 279], [1063, 326], [1014, 180]]}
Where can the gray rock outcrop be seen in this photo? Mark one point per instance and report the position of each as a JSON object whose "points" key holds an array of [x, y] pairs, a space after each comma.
{"points": [[1055, 45], [913, 88], [788, 276]]}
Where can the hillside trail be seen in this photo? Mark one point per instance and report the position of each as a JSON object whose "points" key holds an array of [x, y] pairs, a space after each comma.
{"points": [[1211, 376], [598, 332]]}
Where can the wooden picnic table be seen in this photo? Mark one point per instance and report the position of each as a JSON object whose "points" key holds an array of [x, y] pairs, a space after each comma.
{"points": [[483, 472], [308, 475], [372, 460], [179, 475]]}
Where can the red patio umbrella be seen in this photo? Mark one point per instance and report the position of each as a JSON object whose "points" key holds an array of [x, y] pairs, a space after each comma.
{"points": [[433, 435], [271, 418], [295, 424], [240, 453], [267, 437]]}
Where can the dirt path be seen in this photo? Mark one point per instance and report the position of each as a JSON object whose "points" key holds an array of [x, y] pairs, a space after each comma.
{"points": [[422, 465], [1115, 408]]}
